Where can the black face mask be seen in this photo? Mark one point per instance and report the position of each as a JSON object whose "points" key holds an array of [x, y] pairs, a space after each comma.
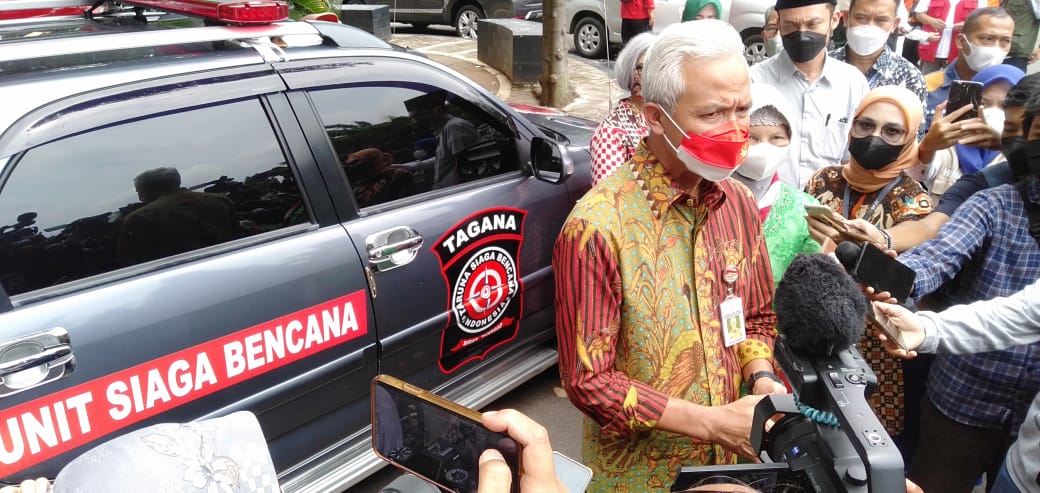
{"points": [[872, 153], [802, 46], [1033, 152], [1014, 149]]}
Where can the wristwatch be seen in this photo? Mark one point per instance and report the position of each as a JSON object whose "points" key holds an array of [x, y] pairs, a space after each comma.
{"points": [[762, 374]]}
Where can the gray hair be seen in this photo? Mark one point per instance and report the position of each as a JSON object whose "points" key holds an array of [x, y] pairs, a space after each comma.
{"points": [[701, 40], [628, 58], [769, 13]]}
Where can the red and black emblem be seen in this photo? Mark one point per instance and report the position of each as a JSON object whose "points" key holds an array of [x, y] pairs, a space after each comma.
{"points": [[479, 261]]}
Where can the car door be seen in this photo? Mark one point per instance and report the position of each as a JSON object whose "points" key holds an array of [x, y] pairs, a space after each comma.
{"points": [[168, 259], [460, 270]]}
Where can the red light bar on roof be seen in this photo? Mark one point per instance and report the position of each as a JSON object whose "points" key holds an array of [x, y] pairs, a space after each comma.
{"points": [[232, 12]]}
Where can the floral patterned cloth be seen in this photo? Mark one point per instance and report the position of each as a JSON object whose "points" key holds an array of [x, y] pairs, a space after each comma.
{"points": [[616, 139], [786, 231], [906, 202], [639, 279], [220, 455]]}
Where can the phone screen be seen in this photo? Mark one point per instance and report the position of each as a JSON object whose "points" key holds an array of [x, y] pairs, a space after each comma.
{"points": [[574, 475], [884, 273], [421, 433], [962, 93]]}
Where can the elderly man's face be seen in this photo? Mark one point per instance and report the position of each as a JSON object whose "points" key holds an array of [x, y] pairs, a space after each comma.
{"points": [[718, 93]]}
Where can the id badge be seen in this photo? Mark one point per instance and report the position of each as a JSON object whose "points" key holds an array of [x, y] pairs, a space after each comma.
{"points": [[731, 313]]}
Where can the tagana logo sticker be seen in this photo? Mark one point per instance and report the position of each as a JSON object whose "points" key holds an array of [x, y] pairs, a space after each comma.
{"points": [[479, 262]]}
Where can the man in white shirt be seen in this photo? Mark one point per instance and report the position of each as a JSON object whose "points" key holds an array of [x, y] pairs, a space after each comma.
{"points": [[823, 92]]}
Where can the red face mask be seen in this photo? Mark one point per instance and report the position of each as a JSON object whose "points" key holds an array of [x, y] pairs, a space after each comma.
{"points": [[713, 155]]}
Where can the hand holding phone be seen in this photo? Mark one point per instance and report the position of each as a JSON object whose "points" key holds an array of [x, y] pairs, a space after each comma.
{"points": [[436, 439], [901, 327], [964, 93], [826, 216]]}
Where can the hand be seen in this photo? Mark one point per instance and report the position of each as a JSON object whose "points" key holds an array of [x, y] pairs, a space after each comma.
{"points": [[651, 20], [1034, 56], [765, 386], [958, 27], [933, 37], [907, 324], [867, 229], [928, 20], [539, 474], [913, 488], [821, 231], [944, 132], [730, 425], [980, 134], [39, 485]]}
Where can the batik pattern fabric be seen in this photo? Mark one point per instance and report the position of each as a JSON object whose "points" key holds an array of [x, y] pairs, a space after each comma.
{"points": [[639, 275], [616, 139], [786, 231], [906, 202]]}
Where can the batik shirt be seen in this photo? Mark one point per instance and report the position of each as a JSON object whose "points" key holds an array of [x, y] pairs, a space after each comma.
{"points": [[616, 139], [906, 201], [639, 279]]}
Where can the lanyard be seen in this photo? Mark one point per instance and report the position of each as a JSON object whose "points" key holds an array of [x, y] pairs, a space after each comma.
{"points": [[846, 208]]}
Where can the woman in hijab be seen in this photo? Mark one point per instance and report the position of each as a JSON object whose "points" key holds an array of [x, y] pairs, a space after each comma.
{"points": [[951, 149], [702, 9], [873, 186], [781, 206], [618, 135]]}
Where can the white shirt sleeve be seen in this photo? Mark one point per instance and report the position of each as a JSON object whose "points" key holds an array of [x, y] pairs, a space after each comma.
{"points": [[983, 326], [922, 6]]}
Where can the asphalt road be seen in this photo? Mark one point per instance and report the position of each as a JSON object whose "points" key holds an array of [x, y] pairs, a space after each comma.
{"points": [[542, 399]]}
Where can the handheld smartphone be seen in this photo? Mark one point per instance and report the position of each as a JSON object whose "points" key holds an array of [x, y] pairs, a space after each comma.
{"points": [[432, 437], [883, 273], [825, 214], [963, 93], [574, 475], [880, 320]]}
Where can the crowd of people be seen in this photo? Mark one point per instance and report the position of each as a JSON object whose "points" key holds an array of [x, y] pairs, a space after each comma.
{"points": [[665, 270]]}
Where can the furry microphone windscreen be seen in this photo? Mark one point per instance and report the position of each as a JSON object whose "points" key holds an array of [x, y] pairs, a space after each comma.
{"points": [[820, 310]]}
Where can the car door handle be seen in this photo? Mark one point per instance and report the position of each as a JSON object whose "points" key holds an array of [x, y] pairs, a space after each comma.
{"points": [[46, 357], [36, 359], [393, 248]]}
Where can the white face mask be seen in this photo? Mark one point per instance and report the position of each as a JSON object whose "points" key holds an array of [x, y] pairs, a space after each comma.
{"points": [[774, 45], [762, 161], [866, 39], [982, 57], [995, 119]]}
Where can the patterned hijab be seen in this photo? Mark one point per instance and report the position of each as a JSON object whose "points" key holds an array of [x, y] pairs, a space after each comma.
{"points": [[865, 181], [225, 455]]}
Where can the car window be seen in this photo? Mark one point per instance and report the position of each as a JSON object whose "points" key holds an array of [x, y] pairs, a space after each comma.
{"points": [[140, 191], [398, 140]]}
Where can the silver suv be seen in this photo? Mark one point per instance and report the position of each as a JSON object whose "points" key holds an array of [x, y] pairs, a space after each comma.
{"points": [[200, 220], [460, 14], [585, 20]]}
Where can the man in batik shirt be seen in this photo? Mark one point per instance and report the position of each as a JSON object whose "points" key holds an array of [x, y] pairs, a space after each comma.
{"points": [[654, 262]]}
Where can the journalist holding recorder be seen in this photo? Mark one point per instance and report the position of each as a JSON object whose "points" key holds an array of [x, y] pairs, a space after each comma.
{"points": [[999, 323]]}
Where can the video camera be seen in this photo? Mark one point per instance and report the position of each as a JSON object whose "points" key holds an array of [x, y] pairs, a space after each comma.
{"points": [[827, 438]]}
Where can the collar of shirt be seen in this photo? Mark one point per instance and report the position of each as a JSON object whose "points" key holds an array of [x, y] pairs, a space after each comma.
{"points": [[662, 193], [883, 60], [950, 74], [787, 68]]}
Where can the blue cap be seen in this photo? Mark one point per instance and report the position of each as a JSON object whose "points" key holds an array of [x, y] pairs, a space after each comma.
{"points": [[1000, 72]]}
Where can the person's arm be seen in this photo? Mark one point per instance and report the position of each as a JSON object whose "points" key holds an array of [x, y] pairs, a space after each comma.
{"points": [[982, 326], [938, 260], [755, 353], [944, 132], [588, 318]]}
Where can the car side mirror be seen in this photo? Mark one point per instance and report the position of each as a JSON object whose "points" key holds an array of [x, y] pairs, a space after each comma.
{"points": [[550, 161]]}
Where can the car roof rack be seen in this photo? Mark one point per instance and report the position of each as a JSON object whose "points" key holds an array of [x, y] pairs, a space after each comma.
{"points": [[40, 48]]}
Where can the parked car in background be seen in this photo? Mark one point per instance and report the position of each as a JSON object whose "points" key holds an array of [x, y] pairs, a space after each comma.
{"points": [[585, 21], [460, 14]]}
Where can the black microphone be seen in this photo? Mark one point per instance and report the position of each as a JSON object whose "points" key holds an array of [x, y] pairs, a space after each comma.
{"points": [[871, 266], [819, 309]]}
